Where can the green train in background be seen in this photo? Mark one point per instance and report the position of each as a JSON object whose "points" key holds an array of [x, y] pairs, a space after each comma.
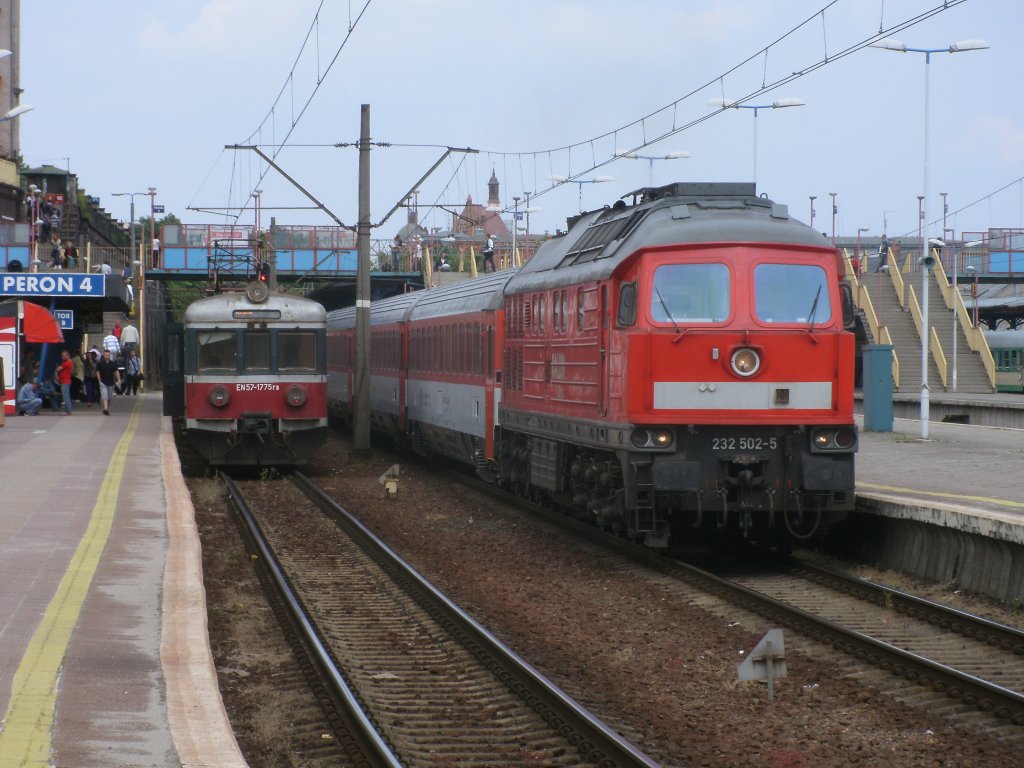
{"points": [[1008, 351]]}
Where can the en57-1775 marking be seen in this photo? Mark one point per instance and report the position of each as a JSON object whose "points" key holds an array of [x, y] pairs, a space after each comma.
{"points": [[257, 387]]}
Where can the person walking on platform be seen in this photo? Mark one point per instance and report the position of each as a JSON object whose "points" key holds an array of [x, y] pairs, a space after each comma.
{"points": [[132, 372], [108, 378], [92, 390], [129, 338], [64, 379], [112, 344], [28, 401]]}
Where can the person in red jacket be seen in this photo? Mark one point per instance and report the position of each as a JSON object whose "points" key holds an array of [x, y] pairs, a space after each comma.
{"points": [[64, 379]]}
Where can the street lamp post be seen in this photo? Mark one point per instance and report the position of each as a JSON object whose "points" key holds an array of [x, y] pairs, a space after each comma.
{"points": [[650, 160], [974, 291], [859, 230], [132, 195], [33, 233], [835, 210], [528, 211], [777, 104], [152, 224], [515, 227], [891, 44], [580, 183]]}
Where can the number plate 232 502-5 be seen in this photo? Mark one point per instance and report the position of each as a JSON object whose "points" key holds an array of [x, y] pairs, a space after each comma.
{"points": [[744, 443]]}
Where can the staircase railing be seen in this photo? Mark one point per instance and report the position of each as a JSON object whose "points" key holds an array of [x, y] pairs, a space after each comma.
{"points": [[897, 281], [935, 346], [886, 338], [879, 332], [940, 357], [975, 338]]}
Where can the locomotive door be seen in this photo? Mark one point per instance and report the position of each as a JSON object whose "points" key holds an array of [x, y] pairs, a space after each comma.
{"points": [[174, 369]]}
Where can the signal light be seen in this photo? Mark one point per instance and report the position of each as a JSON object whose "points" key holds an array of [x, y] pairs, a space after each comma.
{"points": [[263, 272]]}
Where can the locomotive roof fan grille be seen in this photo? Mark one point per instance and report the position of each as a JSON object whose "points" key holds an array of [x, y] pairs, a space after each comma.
{"points": [[597, 236]]}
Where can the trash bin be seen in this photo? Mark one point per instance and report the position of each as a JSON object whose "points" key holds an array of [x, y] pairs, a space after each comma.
{"points": [[877, 387]]}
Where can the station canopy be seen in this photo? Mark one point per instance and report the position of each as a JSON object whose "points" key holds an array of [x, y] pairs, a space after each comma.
{"points": [[38, 326]]}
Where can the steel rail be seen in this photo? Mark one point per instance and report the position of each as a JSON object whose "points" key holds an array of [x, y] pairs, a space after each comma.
{"points": [[593, 738], [361, 727], [974, 691], [967, 624]]}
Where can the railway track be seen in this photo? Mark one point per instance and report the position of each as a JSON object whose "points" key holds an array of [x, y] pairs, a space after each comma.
{"points": [[977, 663], [415, 680]]}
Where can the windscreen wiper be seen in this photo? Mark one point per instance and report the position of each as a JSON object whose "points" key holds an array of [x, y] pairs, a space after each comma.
{"points": [[665, 307], [814, 309]]}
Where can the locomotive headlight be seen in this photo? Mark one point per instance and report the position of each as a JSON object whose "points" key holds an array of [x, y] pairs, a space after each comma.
{"points": [[662, 438], [655, 437], [218, 396], [835, 439], [745, 362], [296, 396]]}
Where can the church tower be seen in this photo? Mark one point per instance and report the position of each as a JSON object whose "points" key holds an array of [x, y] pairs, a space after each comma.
{"points": [[493, 198]]}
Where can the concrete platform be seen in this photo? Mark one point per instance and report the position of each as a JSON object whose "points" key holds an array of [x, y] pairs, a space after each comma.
{"points": [[950, 509], [104, 654]]}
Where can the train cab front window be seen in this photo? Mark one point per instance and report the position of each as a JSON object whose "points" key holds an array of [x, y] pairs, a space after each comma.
{"points": [[690, 293], [257, 350], [296, 350], [791, 293], [217, 351]]}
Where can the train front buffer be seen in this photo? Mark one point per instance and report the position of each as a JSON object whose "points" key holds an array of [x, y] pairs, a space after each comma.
{"points": [[740, 432]]}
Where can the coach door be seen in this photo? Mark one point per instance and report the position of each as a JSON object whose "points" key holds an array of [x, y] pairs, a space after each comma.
{"points": [[174, 369]]}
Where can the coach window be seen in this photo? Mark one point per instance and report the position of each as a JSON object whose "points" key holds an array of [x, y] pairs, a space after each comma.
{"points": [[296, 350], [791, 293], [217, 351], [539, 314], [690, 293], [257, 350]]}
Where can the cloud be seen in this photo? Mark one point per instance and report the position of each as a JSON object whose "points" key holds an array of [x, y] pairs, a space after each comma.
{"points": [[997, 134], [222, 27]]}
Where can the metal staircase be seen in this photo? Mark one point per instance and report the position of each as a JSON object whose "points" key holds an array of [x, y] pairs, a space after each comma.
{"points": [[890, 301]]}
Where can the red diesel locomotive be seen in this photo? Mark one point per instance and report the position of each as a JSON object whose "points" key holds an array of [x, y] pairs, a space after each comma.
{"points": [[248, 373], [677, 365]]}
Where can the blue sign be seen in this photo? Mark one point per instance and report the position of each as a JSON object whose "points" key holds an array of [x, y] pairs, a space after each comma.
{"points": [[65, 319], [518, 216], [52, 284], [158, 209]]}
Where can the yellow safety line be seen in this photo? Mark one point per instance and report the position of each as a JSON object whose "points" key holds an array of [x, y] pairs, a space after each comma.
{"points": [[958, 496], [27, 727]]}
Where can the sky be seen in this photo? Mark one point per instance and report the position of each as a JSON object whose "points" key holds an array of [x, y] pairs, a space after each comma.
{"points": [[129, 95]]}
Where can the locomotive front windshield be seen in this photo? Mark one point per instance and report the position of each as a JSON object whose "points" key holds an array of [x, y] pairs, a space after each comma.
{"points": [[217, 351], [690, 293], [296, 351], [791, 293]]}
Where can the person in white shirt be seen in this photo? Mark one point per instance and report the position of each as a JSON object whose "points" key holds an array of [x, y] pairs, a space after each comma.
{"points": [[129, 338]]}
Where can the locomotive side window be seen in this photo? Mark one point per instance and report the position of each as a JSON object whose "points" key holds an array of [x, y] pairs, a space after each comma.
{"points": [[296, 350], [690, 293], [257, 350], [217, 351], [626, 315], [791, 293]]}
